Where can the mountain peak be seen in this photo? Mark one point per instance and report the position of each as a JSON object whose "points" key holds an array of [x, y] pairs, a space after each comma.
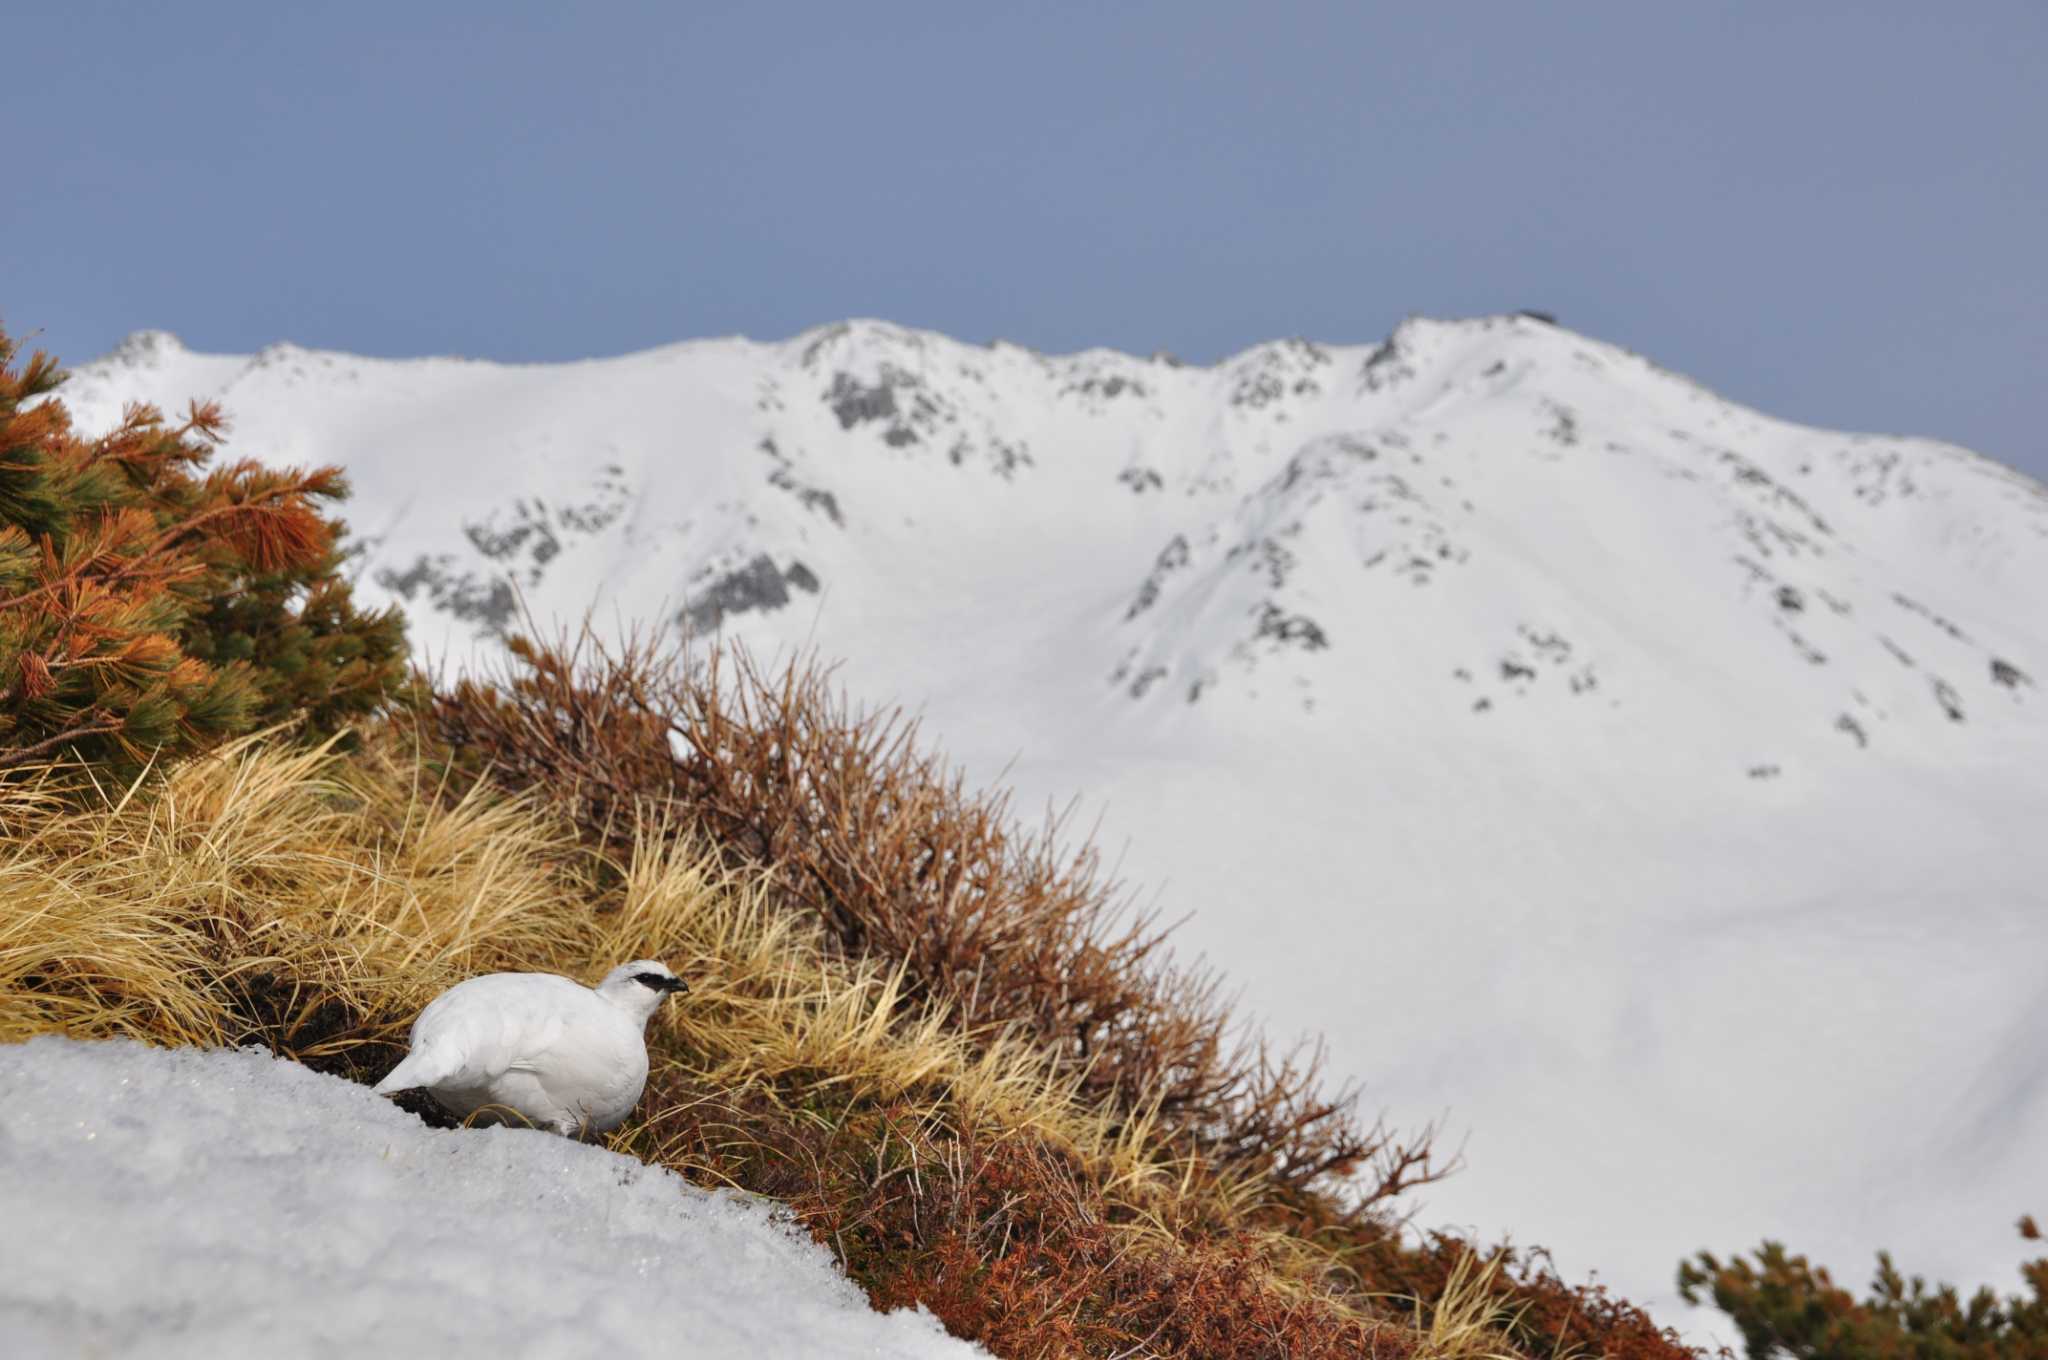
{"points": [[145, 347]]}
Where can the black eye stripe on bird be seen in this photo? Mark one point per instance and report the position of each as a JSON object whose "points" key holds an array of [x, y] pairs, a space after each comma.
{"points": [[553, 1052], [661, 982]]}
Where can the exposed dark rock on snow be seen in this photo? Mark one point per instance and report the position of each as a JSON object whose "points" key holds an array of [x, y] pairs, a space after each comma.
{"points": [[487, 601], [757, 585]]}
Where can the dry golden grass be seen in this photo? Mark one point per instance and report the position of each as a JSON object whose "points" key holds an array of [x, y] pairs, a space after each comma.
{"points": [[342, 899], [266, 893], [313, 903], [1468, 1318]]}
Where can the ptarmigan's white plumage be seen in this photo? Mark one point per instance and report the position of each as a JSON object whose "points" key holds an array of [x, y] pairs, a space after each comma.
{"points": [[557, 1054]]}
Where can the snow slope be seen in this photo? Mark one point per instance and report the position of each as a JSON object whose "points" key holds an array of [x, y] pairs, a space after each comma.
{"points": [[208, 1203], [1654, 786]]}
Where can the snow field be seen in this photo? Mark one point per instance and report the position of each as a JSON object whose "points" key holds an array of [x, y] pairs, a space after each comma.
{"points": [[217, 1203]]}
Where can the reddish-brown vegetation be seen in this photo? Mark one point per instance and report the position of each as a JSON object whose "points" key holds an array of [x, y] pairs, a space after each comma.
{"points": [[899, 859], [1546, 1316], [878, 841], [1008, 1239]]}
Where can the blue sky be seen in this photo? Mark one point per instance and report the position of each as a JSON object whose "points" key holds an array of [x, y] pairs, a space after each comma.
{"points": [[1836, 212]]}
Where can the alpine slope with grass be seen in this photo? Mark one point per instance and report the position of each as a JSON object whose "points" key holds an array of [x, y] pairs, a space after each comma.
{"points": [[1648, 786], [232, 817]]}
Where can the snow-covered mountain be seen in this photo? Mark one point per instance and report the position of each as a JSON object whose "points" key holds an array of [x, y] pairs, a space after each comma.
{"points": [[1657, 787]]}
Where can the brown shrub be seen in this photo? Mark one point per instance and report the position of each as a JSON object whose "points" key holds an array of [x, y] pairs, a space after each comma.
{"points": [[1007, 1238], [881, 842], [883, 845], [1541, 1314]]}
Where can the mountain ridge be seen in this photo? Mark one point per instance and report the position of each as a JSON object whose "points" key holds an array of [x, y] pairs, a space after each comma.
{"points": [[890, 382]]}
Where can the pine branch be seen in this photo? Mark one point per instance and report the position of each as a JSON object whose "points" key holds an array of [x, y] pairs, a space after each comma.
{"points": [[298, 545], [21, 755]]}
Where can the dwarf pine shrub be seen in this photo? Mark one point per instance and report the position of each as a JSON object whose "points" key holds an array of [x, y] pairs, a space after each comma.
{"points": [[152, 606], [1785, 1305]]}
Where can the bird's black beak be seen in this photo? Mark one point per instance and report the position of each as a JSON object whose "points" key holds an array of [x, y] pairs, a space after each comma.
{"points": [[676, 985]]}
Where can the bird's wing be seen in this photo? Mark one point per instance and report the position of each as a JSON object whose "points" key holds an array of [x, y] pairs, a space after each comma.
{"points": [[592, 1044], [538, 1038], [478, 1030]]}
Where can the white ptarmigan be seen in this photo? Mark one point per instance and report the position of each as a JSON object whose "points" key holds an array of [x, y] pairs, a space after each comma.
{"points": [[557, 1054]]}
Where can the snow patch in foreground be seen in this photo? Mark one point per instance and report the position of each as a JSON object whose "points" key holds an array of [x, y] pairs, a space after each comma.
{"points": [[213, 1202]]}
